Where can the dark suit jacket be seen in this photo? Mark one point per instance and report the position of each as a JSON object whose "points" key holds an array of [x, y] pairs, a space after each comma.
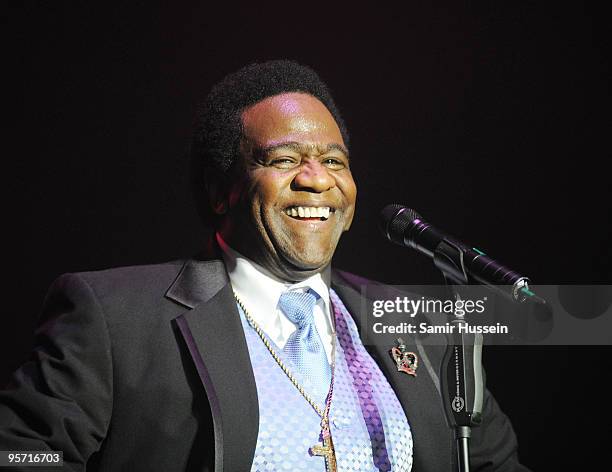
{"points": [[147, 368]]}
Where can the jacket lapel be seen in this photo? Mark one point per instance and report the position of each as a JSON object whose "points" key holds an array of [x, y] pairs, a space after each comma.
{"points": [[419, 396], [214, 337]]}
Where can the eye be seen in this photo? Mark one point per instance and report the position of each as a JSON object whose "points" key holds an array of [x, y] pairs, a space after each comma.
{"points": [[334, 163], [284, 162]]}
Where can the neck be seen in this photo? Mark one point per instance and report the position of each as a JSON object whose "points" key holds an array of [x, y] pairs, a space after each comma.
{"points": [[281, 271]]}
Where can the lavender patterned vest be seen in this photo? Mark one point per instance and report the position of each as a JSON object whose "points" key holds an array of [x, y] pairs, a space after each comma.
{"points": [[368, 425]]}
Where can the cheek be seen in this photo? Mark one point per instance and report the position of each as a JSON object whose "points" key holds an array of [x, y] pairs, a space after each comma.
{"points": [[349, 190], [266, 194]]}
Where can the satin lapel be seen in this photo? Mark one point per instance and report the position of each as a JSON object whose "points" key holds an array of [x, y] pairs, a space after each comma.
{"points": [[214, 336], [419, 396]]}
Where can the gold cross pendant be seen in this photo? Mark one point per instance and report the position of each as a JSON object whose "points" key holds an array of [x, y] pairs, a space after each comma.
{"points": [[326, 450]]}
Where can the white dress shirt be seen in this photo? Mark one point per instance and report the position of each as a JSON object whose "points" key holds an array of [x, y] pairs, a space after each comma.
{"points": [[260, 291]]}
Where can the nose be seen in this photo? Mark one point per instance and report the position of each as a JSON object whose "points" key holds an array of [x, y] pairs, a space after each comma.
{"points": [[313, 177]]}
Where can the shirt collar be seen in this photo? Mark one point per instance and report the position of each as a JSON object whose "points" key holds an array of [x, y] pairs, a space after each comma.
{"points": [[257, 287]]}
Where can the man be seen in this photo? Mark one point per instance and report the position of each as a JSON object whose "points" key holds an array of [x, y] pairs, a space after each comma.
{"points": [[247, 357]]}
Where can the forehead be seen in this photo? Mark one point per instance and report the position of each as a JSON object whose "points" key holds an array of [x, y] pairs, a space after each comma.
{"points": [[290, 117]]}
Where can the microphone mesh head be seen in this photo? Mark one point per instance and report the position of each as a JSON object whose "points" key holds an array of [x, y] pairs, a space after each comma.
{"points": [[411, 215], [395, 219]]}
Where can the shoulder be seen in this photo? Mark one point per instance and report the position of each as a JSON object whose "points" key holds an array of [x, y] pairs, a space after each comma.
{"points": [[374, 289], [119, 293], [131, 278], [342, 277]]}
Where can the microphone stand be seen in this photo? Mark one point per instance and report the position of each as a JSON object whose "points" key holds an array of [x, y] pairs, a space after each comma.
{"points": [[461, 376]]}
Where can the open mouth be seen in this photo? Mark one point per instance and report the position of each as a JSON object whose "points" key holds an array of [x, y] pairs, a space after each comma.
{"points": [[309, 213]]}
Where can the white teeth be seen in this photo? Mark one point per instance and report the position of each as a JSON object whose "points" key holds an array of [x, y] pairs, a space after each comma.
{"points": [[309, 212]]}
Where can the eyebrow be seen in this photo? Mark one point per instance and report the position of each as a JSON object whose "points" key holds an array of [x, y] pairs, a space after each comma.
{"points": [[301, 148]]}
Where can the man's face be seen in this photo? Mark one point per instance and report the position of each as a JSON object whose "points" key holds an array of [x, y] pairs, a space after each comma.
{"points": [[294, 194]]}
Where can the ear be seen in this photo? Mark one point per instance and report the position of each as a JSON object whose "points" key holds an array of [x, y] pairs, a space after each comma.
{"points": [[217, 188]]}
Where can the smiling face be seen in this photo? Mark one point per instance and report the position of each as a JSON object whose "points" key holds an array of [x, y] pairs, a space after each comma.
{"points": [[293, 194]]}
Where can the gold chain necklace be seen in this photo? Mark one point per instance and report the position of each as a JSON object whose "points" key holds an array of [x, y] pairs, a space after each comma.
{"points": [[327, 448]]}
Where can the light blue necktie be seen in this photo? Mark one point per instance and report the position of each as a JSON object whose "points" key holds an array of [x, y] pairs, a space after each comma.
{"points": [[304, 346]]}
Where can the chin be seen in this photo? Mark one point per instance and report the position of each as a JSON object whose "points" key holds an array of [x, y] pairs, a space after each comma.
{"points": [[308, 262]]}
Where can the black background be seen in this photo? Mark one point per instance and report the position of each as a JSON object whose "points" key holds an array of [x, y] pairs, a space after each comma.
{"points": [[493, 121]]}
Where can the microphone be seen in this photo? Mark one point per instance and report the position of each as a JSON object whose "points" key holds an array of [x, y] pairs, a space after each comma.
{"points": [[407, 228]]}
